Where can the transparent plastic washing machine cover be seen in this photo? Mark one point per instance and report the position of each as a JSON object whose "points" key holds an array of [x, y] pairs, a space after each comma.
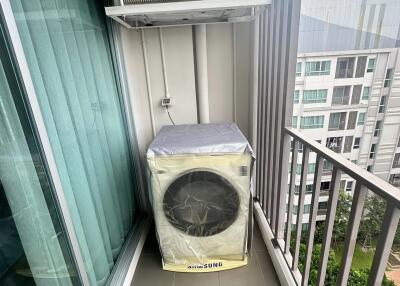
{"points": [[200, 192]]}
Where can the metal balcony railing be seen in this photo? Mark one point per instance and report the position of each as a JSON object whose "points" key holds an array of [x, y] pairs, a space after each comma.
{"points": [[271, 199], [273, 109]]}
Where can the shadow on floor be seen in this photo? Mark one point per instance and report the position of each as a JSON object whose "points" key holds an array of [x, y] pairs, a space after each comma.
{"points": [[259, 271]]}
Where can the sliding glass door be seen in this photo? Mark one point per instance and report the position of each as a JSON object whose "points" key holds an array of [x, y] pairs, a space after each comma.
{"points": [[64, 47], [34, 248]]}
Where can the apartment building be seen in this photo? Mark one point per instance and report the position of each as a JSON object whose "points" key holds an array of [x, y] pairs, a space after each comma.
{"points": [[350, 102]]}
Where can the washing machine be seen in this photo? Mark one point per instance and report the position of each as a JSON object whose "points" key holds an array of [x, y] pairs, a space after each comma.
{"points": [[200, 177]]}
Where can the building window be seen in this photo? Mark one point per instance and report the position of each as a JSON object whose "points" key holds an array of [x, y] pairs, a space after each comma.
{"points": [[349, 186], [341, 95], [309, 189], [365, 95], [322, 205], [327, 167], [309, 122], [372, 151], [361, 118], [396, 161], [300, 148], [354, 161], [348, 143], [369, 168], [357, 141], [334, 143], [294, 121], [311, 168], [378, 126], [315, 96], [351, 122], [318, 68], [344, 68], [355, 98], [398, 142], [337, 121], [388, 78], [371, 65], [306, 209], [325, 186], [382, 104], [296, 96], [298, 69], [394, 179], [361, 63]]}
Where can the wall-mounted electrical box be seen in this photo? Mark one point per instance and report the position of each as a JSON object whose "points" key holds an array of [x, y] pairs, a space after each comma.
{"points": [[166, 101]]}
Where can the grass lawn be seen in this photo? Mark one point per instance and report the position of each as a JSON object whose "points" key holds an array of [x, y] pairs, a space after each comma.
{"points": [[361, 259]]}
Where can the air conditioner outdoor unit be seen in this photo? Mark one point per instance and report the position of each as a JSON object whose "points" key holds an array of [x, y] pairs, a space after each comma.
{"points": [[155, 13]]}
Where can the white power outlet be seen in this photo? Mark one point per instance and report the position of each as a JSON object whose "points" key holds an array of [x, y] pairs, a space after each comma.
{"points": [[166, 101]]}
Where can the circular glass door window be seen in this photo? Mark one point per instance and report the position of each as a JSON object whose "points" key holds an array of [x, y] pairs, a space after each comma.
{"points": [[201, 203]]}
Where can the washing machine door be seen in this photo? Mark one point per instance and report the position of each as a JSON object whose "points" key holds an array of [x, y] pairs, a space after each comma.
{"points": [[201, 203]]}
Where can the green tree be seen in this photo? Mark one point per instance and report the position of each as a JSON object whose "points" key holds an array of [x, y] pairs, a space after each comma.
{"points": [[374, 209], [356, 277], [341, 217], [370, 228], [372, 218], [341, 220]]}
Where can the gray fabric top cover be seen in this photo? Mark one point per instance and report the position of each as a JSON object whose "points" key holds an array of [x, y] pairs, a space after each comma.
{"points": [[215, 138]]}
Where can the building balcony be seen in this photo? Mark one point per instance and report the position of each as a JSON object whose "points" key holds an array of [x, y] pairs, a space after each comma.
{"points": [[275, 257], [82, 97]]}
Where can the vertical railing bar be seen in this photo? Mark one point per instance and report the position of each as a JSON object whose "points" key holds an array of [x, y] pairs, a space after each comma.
{"points": [[291, 195], [300, 206], [272, 133], [261, 120], [275, 118], [270, 58], [281, 140], [259, 116], [313, 219], [329, 222], [353, 225], [385, 240], [275, 127], [265, 98]]}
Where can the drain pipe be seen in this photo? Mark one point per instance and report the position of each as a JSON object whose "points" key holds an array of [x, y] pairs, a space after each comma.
{"points": [[201, 72], [148, 85]]}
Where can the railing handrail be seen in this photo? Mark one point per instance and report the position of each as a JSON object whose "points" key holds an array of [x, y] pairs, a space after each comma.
{"points": [[377, 185]]}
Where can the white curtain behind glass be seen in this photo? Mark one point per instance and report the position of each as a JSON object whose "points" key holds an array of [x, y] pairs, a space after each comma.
{"points": [[65, 44]]}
